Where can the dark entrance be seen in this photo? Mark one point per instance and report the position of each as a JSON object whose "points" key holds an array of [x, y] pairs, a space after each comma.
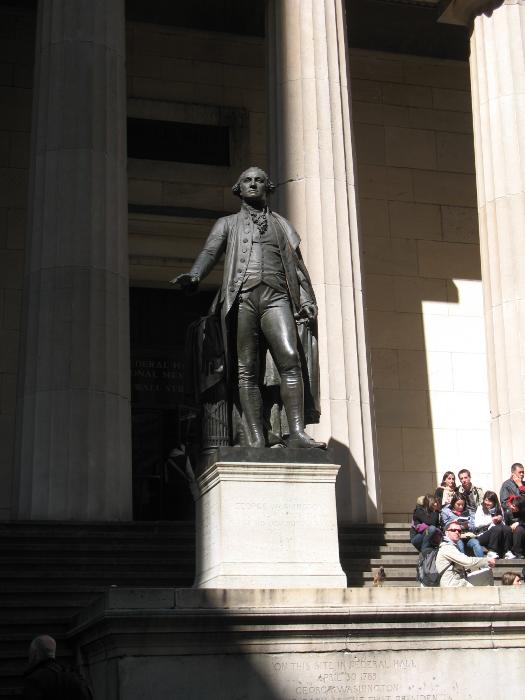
{"points": [[161, 419]]}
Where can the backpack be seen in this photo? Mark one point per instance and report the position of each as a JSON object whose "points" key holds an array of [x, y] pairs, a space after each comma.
{"points": [[426, 571]]}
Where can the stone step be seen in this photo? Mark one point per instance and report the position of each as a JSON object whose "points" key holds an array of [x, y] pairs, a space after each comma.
{"points": [[59, 588], [95, 579], [181, 579], [392, 584], [115, 562], [393, 547], [375, 527], [65, 533], [178, 528], [398, 574], [382, 561], [97, 548], [38, 599], [37, 614], [412, 561], [374, 538]]}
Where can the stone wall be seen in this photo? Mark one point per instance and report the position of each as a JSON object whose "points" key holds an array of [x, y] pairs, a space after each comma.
{"points": [[351, 644], [415, 167], [16, 76], [194, 77]]}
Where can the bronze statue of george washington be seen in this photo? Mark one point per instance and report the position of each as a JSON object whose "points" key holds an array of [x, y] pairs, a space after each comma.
{"points": [[267, 306]]}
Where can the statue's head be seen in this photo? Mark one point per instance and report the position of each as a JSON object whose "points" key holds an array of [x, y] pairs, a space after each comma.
{"points": [[253, 185]]}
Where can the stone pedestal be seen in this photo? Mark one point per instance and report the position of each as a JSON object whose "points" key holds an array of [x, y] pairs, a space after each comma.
{"points": [[264, 524]]}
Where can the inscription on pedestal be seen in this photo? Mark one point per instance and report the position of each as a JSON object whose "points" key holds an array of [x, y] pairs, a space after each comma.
{"points": [[286, 525], [368, 675], [383, 676]]}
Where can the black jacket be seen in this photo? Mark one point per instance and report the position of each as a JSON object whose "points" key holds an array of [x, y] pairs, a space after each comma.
{"points": [[50, 681], [423, 516], [509, 488]]}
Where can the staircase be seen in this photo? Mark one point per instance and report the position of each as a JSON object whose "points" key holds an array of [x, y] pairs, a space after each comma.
{"points": [[363, 549], [49, 571]]}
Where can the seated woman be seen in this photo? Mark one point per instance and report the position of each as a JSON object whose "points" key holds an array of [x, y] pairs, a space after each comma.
{"points": [[489, 528], [456, 512], [447, 489], [425, 524]]}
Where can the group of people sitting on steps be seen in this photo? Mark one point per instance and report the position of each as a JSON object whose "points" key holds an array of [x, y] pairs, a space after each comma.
{"points": [[471, 527]]}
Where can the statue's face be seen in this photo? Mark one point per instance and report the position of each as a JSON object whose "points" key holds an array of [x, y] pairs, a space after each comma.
{"points": [[253, 186]]}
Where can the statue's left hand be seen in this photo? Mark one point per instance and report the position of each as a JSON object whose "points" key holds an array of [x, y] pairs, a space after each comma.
{"points": [[308, 311]]}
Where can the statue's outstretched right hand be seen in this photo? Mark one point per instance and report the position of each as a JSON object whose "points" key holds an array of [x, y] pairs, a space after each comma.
{"points": [[186, 281]]}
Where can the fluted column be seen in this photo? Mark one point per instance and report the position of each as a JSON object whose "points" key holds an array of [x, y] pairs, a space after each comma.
{"points": [[74, 424], [311, 159], [497, 70], [497, 65]]}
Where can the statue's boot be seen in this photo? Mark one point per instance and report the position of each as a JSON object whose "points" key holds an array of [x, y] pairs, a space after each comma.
{"points": [[292, 393], [252, 415], [301, 439]]}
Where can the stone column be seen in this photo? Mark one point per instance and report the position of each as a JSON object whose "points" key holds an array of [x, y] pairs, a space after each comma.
{"points": [[311, 159], [74, 422], [497, 67]]}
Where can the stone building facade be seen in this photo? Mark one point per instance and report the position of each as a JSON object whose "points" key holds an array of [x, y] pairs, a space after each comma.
{"points": [[399, 164]]}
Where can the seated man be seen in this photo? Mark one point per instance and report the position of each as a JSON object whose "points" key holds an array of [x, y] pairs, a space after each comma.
{"points": [[453, 564], [513, 486], [511, 491], [473, 494], [515, 519]]}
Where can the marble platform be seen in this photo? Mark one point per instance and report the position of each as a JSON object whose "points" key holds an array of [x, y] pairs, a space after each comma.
{"points": [[351, 644]]}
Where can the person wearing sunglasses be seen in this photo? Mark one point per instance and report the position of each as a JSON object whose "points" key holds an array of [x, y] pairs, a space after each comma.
{"points": [[452, 564]]}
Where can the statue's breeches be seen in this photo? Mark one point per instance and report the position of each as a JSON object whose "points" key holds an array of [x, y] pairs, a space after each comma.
{"points": [[266, 311]]}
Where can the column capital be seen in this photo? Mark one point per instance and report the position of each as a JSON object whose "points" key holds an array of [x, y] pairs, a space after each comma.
{"points": [[464, 12]]}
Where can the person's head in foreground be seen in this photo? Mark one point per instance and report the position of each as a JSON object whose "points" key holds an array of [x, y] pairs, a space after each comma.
{"points": [[42, 648]]}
